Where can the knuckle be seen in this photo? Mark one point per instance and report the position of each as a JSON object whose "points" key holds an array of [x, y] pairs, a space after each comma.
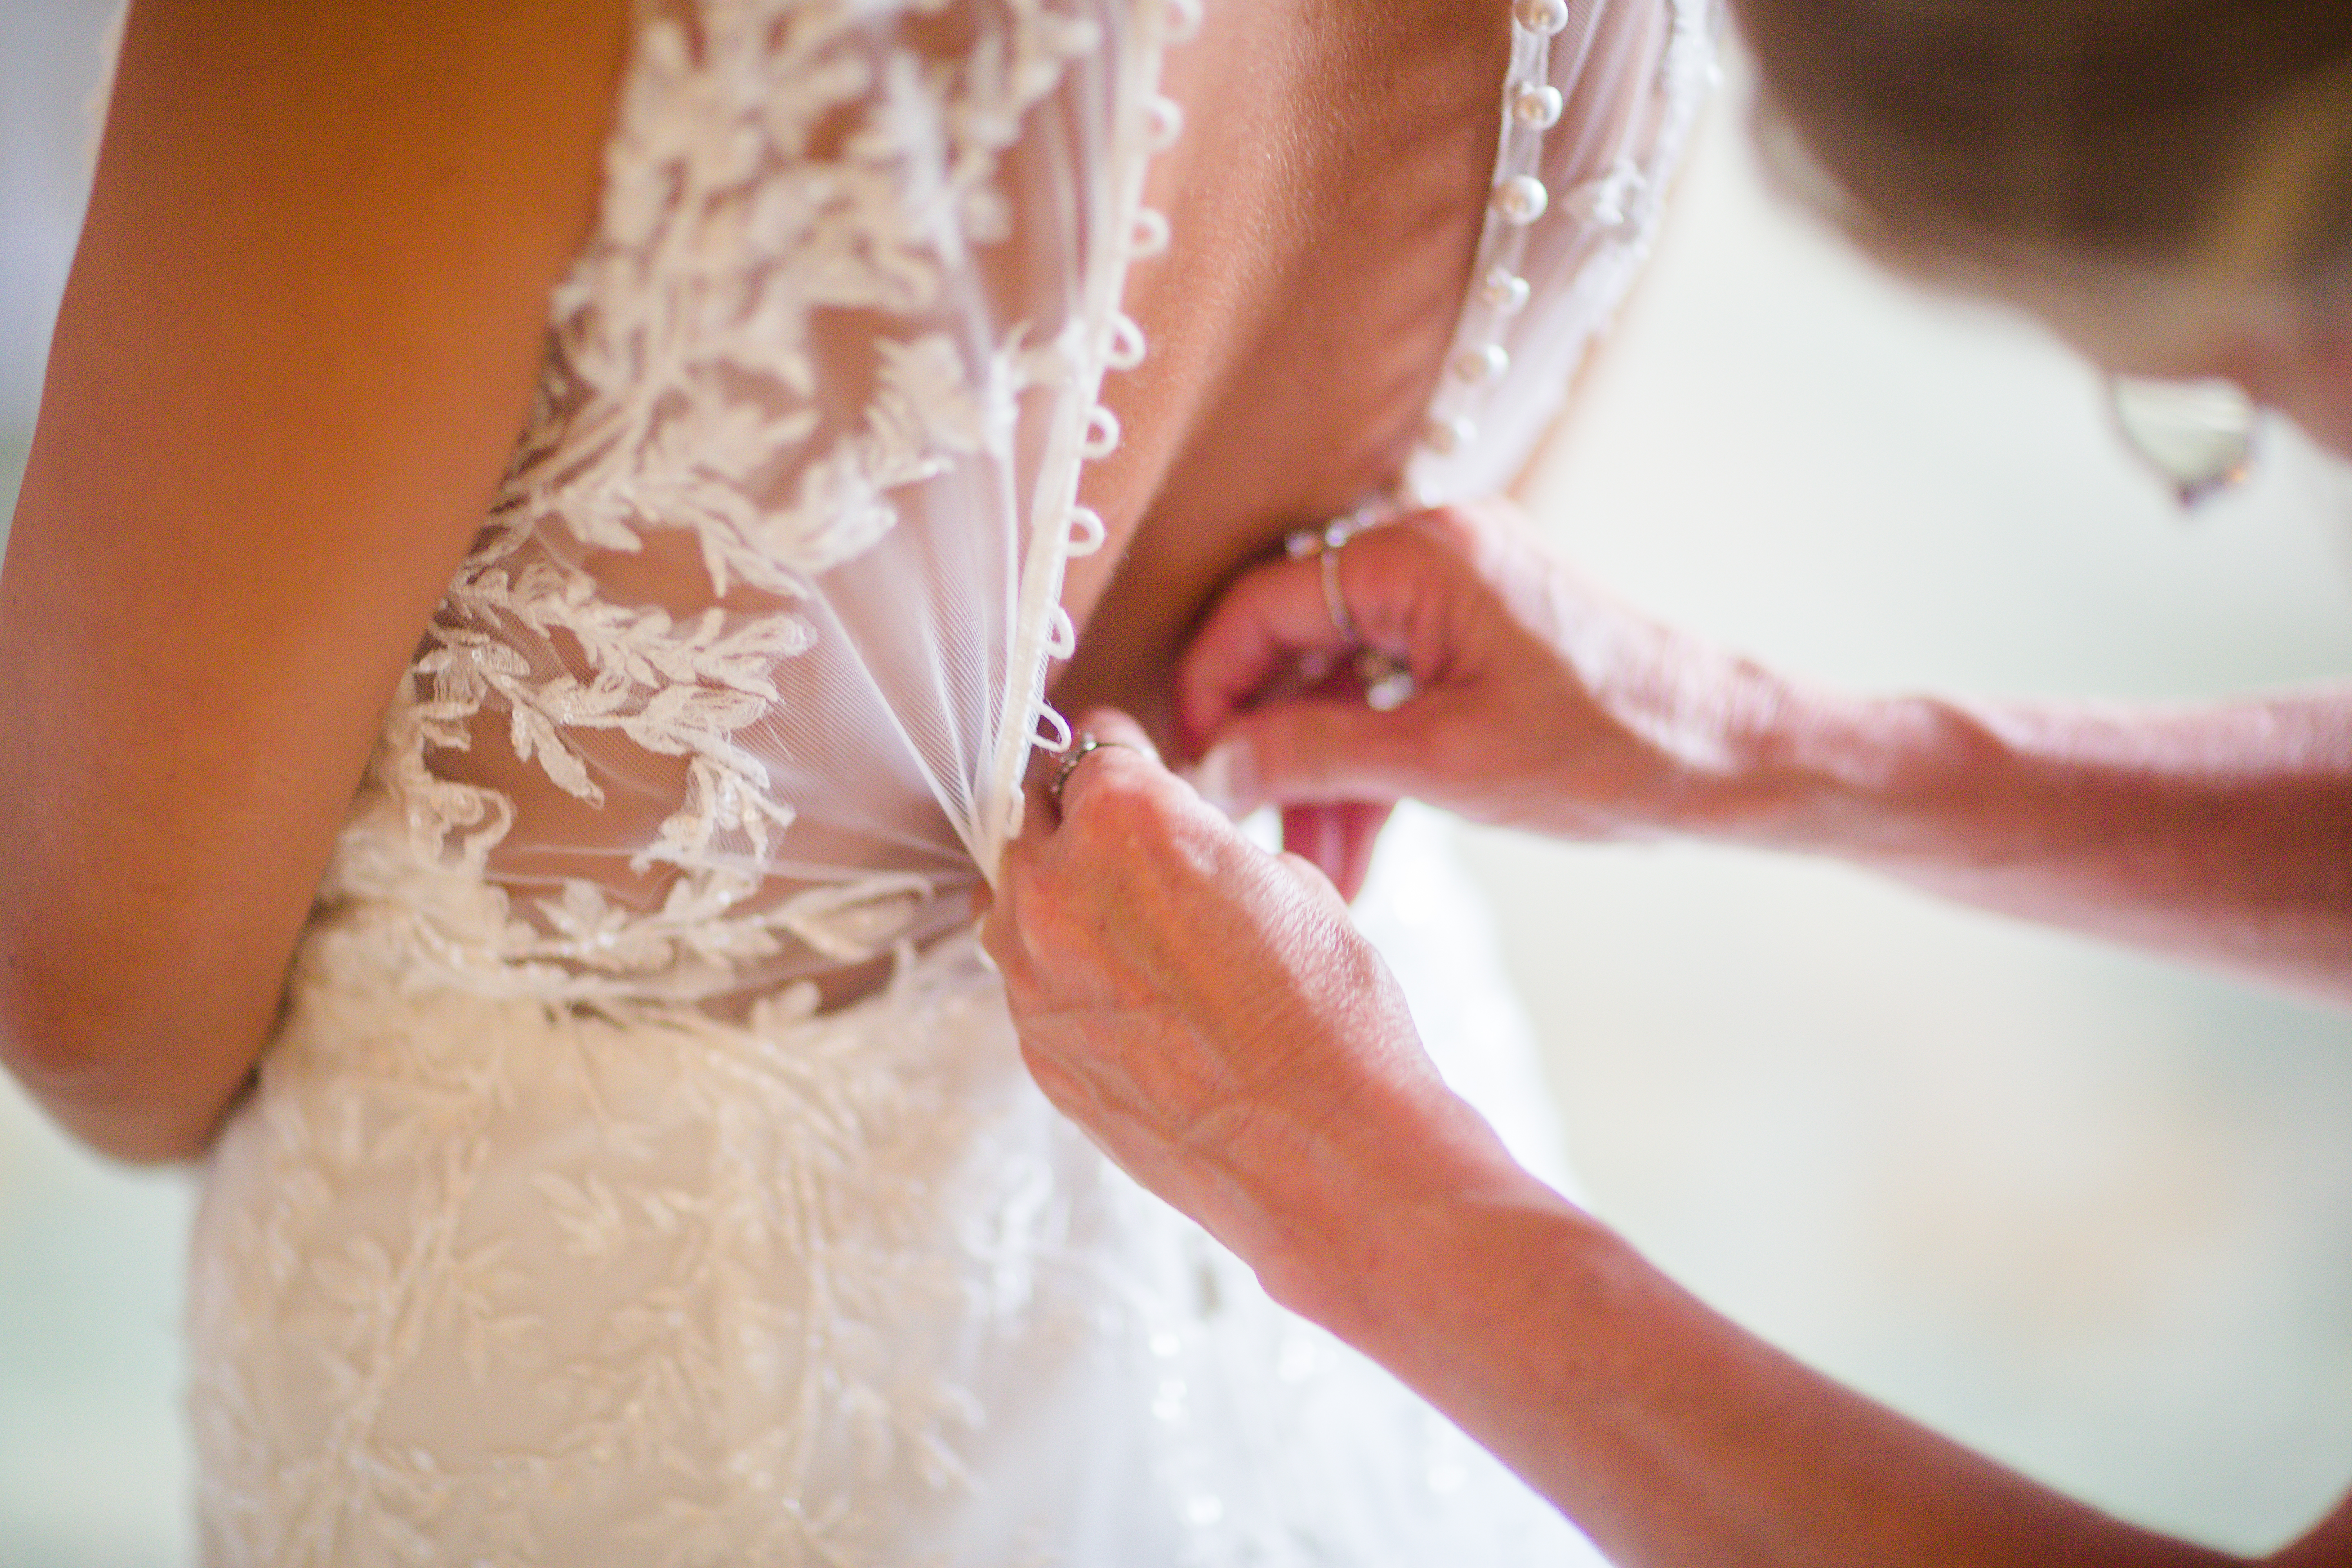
{"points": [[1119, 800], [1311, 877], [1023, 996], [1027, 883], [1387, 569], [1054, 1079]]}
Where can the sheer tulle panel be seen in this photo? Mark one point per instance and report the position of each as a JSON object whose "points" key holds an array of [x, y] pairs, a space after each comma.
{"points": [[1630, 78], [744, 640]]}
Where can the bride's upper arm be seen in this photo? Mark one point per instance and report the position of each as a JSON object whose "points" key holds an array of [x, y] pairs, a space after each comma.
{"points": [[299, 339]]}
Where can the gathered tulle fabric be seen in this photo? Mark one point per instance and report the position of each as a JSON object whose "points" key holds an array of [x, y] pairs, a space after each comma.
{"points": [[739, 683], [566, 1225]]}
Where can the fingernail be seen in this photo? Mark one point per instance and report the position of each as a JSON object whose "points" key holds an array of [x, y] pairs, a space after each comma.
{"points": [[1227, 776]]}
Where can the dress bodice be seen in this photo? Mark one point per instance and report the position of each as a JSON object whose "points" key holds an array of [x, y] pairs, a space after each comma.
{"points": [[739, 683], [563, 1225]]}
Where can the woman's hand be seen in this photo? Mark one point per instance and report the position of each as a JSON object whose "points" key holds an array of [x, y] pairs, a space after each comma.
{"points": [[1207, 1013], [2214, 833], [1540, 703], [1204, 1010]]}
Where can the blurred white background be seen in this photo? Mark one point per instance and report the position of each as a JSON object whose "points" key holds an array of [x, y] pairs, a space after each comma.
{"points": [[2089, 1213]]}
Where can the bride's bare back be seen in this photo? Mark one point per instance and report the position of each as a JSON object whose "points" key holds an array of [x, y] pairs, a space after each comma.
{"points": [[1324, 202]]}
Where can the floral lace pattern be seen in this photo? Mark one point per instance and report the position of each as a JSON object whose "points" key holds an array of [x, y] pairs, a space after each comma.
{"points": [[692, 423], [565, 1227]]}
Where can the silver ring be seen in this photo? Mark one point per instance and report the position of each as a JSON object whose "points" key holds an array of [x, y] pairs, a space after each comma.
{"points": [[1325, 543], [1335, 603], [1387, 681], [1085, 746]]}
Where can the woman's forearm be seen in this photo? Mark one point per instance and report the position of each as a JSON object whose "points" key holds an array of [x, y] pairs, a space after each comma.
{"points": [[2221, 834], [1667, 1433], [1210, 1017], [146, 1123], [2217, 833], [145, 1080]]}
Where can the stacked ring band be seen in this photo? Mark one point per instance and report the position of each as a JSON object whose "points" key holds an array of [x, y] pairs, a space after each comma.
{"points": [[1085, 746], [1387, 683]]}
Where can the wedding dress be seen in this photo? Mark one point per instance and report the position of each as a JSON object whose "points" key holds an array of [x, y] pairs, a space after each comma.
{"points": [[567, 1224]]}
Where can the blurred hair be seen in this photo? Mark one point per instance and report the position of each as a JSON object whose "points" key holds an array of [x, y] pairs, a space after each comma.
{"points": [[2210, 134]]}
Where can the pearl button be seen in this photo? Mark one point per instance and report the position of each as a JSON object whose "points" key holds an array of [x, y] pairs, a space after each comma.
{"points": [[1503, 291], [1601, 203], [1483, 363], [1447, 436], [1543, 17], [1521, 199], [1536, 106]]}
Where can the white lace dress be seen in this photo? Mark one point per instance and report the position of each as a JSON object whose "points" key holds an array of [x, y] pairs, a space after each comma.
{"points": [[565, 1227]]}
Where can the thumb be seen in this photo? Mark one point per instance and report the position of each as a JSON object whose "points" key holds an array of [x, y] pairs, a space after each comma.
{"points": [[1313, 751]]}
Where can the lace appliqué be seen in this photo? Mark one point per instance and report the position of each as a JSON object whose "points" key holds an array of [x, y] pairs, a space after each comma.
{"points": [[488, 1080], [689, 399], [522, 1246], [764, 1287]]}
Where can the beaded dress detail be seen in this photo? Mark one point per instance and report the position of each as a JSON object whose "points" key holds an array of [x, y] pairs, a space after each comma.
{"points": [[566, 1225]]}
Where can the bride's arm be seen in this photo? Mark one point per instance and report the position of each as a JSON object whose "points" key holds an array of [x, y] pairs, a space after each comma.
{"points": [[298, 341]]}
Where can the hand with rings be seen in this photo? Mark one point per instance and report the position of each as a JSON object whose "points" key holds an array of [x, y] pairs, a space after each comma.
{"points": [[1538, 702], [1188, 998], [1084, 744], [1337, 836], [1386, 680]]}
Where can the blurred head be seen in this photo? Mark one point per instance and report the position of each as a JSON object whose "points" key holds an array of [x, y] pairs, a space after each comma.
{"points": [[2169, 183]]}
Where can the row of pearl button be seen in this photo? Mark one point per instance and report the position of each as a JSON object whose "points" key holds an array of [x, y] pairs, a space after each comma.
{"points": [[1531, 106]]}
